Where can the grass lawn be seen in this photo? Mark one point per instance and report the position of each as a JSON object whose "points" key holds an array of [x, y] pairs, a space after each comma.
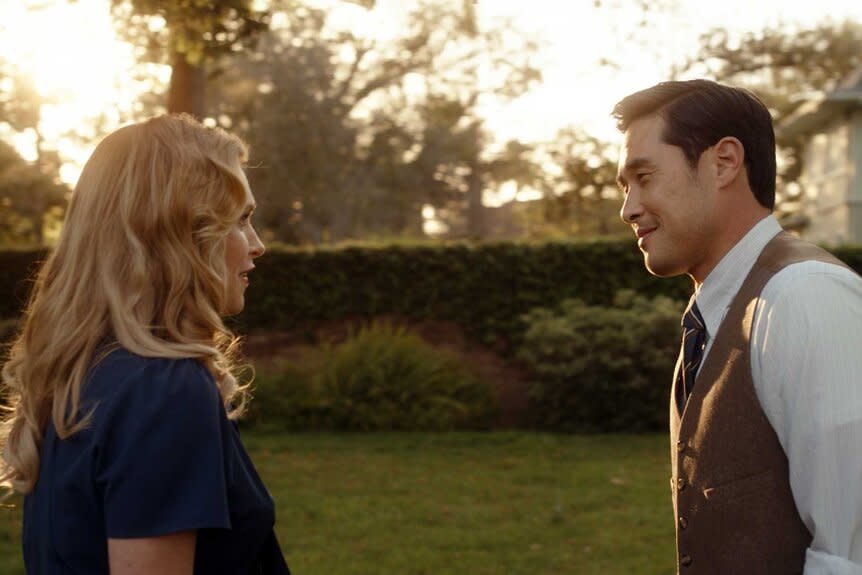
{"points": [[502, 503]]}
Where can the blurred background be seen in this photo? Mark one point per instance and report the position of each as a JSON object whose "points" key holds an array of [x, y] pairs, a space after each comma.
{"points": [[436, 185], [380, 120]]}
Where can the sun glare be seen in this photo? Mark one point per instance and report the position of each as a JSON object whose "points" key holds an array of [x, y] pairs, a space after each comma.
{"points": [[576, 36], [81, 71]]}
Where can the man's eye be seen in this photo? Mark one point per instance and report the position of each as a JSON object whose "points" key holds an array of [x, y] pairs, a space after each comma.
{"points": [[643, 178]]}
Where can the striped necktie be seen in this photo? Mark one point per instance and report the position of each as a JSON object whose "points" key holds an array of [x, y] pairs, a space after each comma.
{"points": [[693, 342]]}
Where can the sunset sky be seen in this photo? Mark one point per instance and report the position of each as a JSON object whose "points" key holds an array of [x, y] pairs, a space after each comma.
{"points": [[72, 53]]}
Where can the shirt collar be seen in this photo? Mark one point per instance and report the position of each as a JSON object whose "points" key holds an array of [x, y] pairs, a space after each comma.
{"points": [[720, 286]]}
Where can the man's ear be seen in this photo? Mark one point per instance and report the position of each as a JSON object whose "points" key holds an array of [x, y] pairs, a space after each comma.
{"points": [[730, 160]]}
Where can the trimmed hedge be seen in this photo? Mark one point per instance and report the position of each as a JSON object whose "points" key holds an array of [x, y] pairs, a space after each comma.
{"points": [[589, 369], [486, 288]]}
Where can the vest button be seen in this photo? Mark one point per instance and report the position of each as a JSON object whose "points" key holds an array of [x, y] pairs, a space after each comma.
{"points": [[685, 560], [680, 484], [683, 522], [680, 446]]}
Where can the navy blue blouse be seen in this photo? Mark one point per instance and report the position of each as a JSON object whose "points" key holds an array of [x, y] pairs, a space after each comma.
{"points": [[159, 456]]}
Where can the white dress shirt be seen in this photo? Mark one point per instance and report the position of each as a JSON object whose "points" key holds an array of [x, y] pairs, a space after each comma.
{"points": [[806, 365]]}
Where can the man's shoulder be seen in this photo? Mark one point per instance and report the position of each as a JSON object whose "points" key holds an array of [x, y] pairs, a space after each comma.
{"points": [[809, 287], [786, 249], [812, 272]]}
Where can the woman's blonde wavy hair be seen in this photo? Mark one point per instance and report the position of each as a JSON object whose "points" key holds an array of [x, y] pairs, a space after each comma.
{"points": [[141, 263]]}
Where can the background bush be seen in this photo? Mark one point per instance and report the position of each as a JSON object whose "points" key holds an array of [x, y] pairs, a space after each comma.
{"points": [[8, 330], [594, 367], [485, 288], [602, 368], [383, 378]]}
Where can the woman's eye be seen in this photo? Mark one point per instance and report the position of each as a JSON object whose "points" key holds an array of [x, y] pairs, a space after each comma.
{"points": [[643, 178]]}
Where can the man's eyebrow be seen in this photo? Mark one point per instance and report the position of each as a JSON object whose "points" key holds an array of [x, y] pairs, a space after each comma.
{"points": [[632, 165]]}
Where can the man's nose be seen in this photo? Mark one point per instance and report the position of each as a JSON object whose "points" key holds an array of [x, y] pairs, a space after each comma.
{"points": [[631, 209]]}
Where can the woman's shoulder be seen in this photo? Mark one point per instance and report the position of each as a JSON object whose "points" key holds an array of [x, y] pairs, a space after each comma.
{"points": [[123, 375]]}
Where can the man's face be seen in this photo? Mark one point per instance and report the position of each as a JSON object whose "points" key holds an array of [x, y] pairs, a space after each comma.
{"points": [[670, 207]]}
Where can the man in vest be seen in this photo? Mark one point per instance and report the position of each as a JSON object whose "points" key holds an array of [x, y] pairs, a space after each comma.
{"points": [[766, 404]]}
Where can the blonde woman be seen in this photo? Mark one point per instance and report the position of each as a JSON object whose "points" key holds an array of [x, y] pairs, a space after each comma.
{"points": [[120, 432]]}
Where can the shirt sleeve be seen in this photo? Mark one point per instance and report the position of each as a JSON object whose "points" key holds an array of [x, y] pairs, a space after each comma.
{"points": [[806, 352], [161, 465]]}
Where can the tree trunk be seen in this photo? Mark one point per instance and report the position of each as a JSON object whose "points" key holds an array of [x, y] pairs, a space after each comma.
{"points": [[41, 208], [604, 218], [39, 223], [475, 209], [186, 91]]}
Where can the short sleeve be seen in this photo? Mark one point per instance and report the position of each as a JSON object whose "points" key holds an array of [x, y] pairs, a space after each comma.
{"points": [[161, 467]]}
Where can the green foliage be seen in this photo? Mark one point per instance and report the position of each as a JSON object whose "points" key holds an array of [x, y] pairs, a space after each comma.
{"points": [[31, 199], [194, 28], [284, 399], [781, 64], [602, 368], [581, 194], [189, 35], [20, 101], [383, 378], [345, 145], [850, 255], [485, 288]]}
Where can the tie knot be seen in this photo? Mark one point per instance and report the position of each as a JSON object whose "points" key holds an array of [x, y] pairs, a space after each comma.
{"points": [[692, 318]]}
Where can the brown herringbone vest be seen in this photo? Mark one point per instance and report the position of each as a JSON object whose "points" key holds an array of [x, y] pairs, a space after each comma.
{"points": [[734, 510]]}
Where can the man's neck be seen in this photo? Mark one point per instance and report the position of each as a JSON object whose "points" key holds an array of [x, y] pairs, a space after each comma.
{"points": [[734, 232]]}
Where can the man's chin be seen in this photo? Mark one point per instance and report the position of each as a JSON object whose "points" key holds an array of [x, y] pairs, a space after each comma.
{"points": [[659, 268]]}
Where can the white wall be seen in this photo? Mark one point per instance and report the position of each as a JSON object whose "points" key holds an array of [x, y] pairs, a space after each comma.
{"points": [[827, 179]]}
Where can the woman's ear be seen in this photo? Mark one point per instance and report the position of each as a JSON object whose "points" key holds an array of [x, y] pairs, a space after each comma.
{"points": [[730, 160]]}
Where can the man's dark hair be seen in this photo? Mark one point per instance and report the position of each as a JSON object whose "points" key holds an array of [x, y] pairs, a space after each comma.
{"points": [[698, 113]]}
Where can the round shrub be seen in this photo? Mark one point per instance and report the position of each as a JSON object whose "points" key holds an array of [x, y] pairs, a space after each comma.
{"points": [[602, 368]]}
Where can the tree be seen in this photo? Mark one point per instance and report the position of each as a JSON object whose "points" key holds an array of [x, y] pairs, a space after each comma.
{"points": [[31, 195], [21, 108], [580, 190], [354, 135], [284, 98], [31, 200], [20, 102], [784, 66], [193, 33]]}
